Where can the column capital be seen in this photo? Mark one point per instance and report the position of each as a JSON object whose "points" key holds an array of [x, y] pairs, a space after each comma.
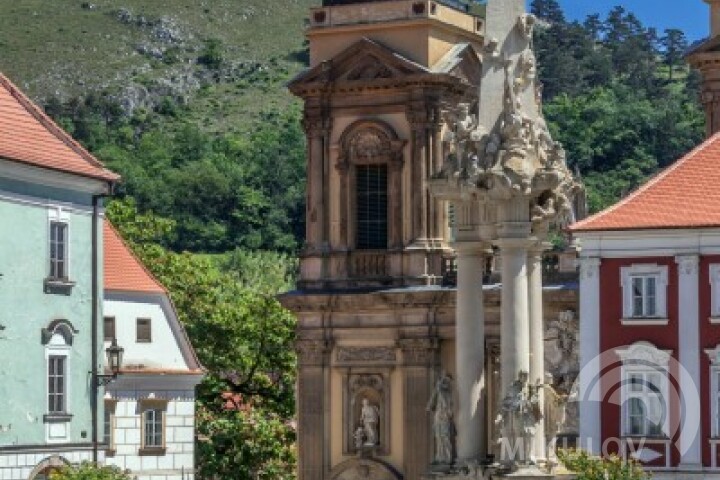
{"points": [[419, 352], [312, 352], [514, 243], [589, 266], [688, 264]]}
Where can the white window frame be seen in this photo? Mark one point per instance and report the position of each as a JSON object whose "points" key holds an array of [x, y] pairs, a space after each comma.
{"points": [[158, 406], [57, 214], [643, 358], [58, 347], [645, 270], [714, 357], [715, 293], [110, 406]]}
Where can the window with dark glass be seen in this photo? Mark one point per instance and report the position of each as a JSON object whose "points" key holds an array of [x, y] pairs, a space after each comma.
{"points": [[153, 428], [371, 207], [109, 329], [58, 250], [144, 330], [57, 381]]}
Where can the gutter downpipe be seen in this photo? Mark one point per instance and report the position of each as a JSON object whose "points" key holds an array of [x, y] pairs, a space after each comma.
{"points": [[95, 386]]}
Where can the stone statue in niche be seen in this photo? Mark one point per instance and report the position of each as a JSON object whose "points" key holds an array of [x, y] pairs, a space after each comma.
{"points": [[370, 420], [519, 417], [441, 404]]}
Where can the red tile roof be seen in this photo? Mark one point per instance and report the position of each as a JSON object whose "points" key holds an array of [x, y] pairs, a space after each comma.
{"points": [[123, 270], [685, 195], [28, 136]]}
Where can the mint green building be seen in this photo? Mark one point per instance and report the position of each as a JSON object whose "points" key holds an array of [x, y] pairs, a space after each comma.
{"points": [[51, 193]]}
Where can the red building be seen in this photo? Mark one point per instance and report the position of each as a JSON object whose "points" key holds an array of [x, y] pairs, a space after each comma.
{"points": [[649, 385]]}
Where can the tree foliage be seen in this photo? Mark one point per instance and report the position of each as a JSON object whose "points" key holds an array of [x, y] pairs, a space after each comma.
{"points": [[90, 471], [243, 337], [617, 96], [587, 467]]}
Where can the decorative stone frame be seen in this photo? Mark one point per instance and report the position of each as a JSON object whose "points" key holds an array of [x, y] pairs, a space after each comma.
{"points": [[715, 293], [51, 463], [370, 142], [714, 357], [647, 269], [361, 383], [643, 357]]}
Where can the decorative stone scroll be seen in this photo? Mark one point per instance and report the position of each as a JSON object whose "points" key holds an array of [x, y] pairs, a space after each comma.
{"points": [[419, 352], [312, 352], [365, 355]]}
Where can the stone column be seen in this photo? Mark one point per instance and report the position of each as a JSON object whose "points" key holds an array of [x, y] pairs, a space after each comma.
{"points": [[417, 117], [419, 358], [515, 322], [589, 405], [316, 186], [537, 342], [689, 351], [470, 352], [312, 360]]}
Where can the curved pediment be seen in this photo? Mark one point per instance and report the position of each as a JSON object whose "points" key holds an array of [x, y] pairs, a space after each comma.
{"points": [[364, 468]]}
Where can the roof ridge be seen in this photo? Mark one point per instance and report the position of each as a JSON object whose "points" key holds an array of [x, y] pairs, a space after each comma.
{"points": [[649, 184], [135, 257], [50, 125]]}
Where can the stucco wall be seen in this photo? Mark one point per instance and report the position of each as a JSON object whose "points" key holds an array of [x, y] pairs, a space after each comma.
{"points": [[24, 264]]}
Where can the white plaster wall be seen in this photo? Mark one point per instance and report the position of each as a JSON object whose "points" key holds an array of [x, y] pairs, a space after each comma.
{"points": [[178, 463], [162, 352], [19, 465]]}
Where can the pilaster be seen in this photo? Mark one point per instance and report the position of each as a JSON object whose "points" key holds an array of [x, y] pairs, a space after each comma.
{"points": [[590, 435], [313, 356], [689, 353], [418, 119], [420, 355]]}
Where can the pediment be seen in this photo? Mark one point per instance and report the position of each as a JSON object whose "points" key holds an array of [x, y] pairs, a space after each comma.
{"points": [[364, 61], [463, 62]]}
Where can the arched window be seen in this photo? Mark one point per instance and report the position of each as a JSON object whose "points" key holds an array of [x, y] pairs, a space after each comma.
{"points": [[370, 165]]}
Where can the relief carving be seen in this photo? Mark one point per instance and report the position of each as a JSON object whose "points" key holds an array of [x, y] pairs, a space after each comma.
{"points": [[366, 355], [418, 351], [311, 352]]}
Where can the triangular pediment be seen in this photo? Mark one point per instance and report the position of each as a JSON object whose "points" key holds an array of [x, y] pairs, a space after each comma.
{"points": [[366, 60], [463, 62], [709, 45]]}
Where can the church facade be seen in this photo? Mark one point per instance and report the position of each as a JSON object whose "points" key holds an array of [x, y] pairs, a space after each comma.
{"points": [[376, 303]]}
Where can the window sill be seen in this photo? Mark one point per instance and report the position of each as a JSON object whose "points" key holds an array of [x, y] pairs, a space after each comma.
{"points": [[57, 418], [61, 286], [644, 322], [110, 452], [715, 320], [152, 452]]}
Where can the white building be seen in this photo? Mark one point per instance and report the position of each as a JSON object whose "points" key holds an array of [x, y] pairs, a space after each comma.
{"points": [[150, 408]]}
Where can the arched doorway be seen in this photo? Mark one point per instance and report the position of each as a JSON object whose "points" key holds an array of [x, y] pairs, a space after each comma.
{"points": [[48, 466]]}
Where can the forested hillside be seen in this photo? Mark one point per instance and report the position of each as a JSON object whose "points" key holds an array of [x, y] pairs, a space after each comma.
{"points": [[186, 99]]}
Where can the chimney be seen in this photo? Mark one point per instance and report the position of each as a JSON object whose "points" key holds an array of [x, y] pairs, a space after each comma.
{"points": [[706, 58]]}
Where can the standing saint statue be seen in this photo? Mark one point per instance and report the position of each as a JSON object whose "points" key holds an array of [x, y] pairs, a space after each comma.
{"points": [[369, 419], [441, 404]]}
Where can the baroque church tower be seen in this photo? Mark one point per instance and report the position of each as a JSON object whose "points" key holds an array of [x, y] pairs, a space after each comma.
{"points": [[376, 301]]}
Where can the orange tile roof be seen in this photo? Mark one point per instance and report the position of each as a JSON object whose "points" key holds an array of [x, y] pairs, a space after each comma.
{"points": [[123, 270], [685, 195], [29, 136]]}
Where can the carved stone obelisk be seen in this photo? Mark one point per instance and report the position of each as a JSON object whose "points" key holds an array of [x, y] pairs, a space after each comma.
{"points": [[507, 180]]}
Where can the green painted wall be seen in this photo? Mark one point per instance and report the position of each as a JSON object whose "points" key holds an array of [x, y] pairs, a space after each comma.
{"points": [[25, 308]]}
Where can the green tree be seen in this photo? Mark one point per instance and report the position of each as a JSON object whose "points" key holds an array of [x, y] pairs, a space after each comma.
{"points": [[674, 45], [243, 337], [90, 471]]}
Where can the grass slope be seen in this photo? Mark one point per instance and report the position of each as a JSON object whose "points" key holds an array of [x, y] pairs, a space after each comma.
{"points": [[68, 48]]}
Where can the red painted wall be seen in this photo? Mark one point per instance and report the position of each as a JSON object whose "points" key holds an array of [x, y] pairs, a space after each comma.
{"points": [[709, 339], [614, 335]]}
